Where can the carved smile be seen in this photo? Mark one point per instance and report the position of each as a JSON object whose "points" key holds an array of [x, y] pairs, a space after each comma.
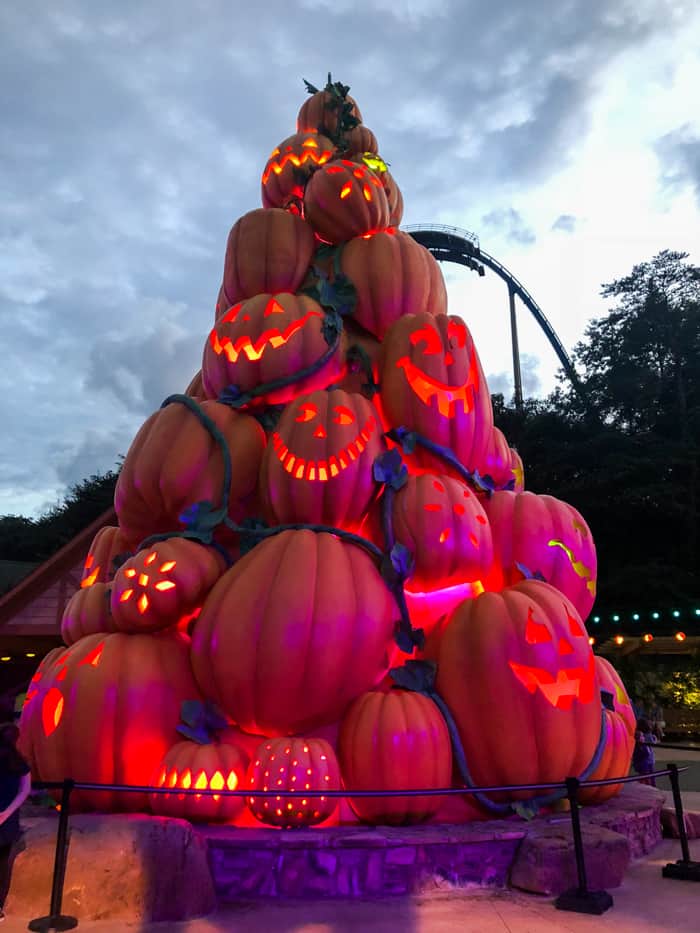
{"points": [[447, 396], [308, 155], [323, 470], [578, 566], [574, 683], [253, 350]]}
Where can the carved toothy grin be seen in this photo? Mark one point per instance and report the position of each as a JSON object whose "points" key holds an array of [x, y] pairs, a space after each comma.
{"points": [[574, 683], [253, 350], [308, 155], [323, 470], [447, 396]]}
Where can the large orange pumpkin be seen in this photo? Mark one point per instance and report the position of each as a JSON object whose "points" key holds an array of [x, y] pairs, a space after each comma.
{"points": [[160, 584], [291, 164], [267, 251], [432, 383], [269, 338], [393, 276], [323, 111], [621, 726], [394, 741], [87, 612], [174, 462], [344, 199], [360, 140], [518, 675], [105, 711], [545, 535], [502, 463], [293, 764], [109, 543], [318, 465], [293, 632]]}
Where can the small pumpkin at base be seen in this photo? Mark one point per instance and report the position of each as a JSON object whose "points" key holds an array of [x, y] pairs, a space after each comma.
{"points": [[297, 764]]}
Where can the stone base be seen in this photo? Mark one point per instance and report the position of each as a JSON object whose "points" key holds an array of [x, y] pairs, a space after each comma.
{"points": [[120, 867], [669, 822]]}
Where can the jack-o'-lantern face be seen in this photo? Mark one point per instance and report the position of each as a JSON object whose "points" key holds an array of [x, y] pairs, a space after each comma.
{"points": [[290, 164], [327, 465], [559, 685], [442, 348], [583, 567], [53, 702], [356, 176], [253, 345]]}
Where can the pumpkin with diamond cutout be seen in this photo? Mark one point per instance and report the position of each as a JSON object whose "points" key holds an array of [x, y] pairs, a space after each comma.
{"points": [[345, 199], [317, 467], [286, 658], [293, 764], [518, 675], [268, 338]]}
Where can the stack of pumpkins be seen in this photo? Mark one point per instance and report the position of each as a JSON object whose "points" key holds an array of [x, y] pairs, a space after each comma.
{"points": [[328, 500]]}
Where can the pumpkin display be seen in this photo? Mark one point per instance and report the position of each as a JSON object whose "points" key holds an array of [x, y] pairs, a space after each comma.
{"points": [[360, 140], [444, 526], [269, 338], [546, 536], [161, 583], [109, 547], [502, 463], [87, 612], [305, 766], [218, 765], [394, 741], [432, 383], [268, 250], [518, 675], [293, 632], [174, 462], [324, 110], [317, 467], [621, 727], [394, 276], [104, 711], [291, 164], [394, 198], [345, 199]]}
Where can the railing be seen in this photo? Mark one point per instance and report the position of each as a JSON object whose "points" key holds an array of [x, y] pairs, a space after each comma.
{"points": [[578, 899], [447, 229]]}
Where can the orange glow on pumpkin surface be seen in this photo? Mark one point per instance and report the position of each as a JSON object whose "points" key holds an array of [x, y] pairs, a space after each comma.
{"points": [[253, 349]]}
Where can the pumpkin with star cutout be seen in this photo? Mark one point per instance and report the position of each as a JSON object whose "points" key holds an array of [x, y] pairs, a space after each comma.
{"points": [[267, 338], [393, 276], [518, 675], [318, 464], [432, 383], [105, 711], [162, 583], [293, 764], [547, 536], [621, 727], [344, 199], [293, 632], [290, 166], [268, 250]]}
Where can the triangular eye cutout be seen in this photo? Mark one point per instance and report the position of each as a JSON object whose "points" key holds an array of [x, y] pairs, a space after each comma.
{"points": [[565, 647], [575, 627], [273, 307], [535, 632]]}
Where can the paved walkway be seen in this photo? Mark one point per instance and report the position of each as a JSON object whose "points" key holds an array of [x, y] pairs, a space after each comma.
{"points": [[644, 903]]}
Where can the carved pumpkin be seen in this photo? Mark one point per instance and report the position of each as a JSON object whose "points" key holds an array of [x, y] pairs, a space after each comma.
{"points": [[219, 765], [320, 113], [394, 741], [518, 675], [344, 199], [318, 464], [268, 250], [360, 140], [547, 535], [394, 197], [174, 463], [293, 764], [432, 383], [619, 745], [441, 521], [393, 276], [502, 463], [104, 711], [291, 164], [266, 338], [109, 543], [287, 658], [87, 612], [163, 582]]}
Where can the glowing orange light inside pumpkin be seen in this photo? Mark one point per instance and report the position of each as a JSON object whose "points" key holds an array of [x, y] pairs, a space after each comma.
{"points": [[579, 568], [151, 557], [428, 389], [346, 189], [51, 710], [254, 349], [323, 470], [93, 658]]}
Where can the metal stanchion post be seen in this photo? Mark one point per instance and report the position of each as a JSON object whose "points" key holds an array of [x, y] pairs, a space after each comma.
{"points": [[684, 869], [580, 899], [56, 920]]}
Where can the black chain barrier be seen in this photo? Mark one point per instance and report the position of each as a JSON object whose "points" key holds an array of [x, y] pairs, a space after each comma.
{"points": [[578, 899]]}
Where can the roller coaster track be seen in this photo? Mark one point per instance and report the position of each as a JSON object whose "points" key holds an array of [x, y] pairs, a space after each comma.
{"points": [[452, 244]]}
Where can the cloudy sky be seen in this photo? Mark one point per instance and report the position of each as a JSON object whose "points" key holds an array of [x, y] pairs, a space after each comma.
{"points": [[565, 133]]}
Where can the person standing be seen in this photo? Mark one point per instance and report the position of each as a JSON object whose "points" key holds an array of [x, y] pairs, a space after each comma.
{"points": [[643, 757], [15, 785]]}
